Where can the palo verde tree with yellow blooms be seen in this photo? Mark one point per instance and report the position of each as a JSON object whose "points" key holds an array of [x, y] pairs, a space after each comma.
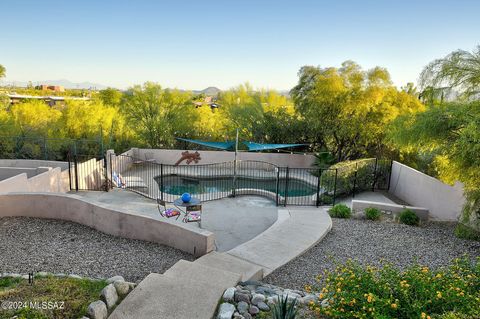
{"points": [[346, 110]]}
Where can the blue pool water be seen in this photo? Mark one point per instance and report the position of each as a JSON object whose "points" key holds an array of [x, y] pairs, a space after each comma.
{"points": [[177, 185]]}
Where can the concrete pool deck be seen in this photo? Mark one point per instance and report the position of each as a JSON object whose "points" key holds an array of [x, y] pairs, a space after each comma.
{"points": [[233, 220]]}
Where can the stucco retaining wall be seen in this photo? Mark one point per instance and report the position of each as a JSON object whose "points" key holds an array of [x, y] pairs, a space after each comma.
{"points": [[111, 221], [32, 163], [210, 157], [7, 172], [16, 183], [443, 201], [52, 180]]}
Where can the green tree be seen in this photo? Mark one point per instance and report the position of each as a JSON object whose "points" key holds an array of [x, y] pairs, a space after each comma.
{"points": [[459, 71], [346, 110], [450, 131], [158, 115], [110, 96], [2, 71]]}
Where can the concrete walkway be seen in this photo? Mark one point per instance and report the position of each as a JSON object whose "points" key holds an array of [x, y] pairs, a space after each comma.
{"points": [[193, 290], [296, 230]]}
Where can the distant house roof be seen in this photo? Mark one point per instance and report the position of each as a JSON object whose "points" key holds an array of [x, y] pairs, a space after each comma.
{"points": [[51, 98]]}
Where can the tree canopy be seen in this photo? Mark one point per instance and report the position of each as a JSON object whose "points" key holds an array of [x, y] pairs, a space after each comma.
{"points": [[459, 70], [346, 110]]}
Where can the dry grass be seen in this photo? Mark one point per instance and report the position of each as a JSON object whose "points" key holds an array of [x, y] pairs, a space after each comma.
{"points": [[76, 294]]}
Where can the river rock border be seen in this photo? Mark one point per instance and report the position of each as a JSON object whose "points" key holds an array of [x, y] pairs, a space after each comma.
{"points": [[115, 291], [249, 298]]}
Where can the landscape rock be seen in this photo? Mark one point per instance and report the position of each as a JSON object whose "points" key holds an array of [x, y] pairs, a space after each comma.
{"points": [[256, 298], [121, 287], [242, 307], [226, 311], [229, 294], [97, 310], [74, 276], [271, 301], [241, 297], [309, 297], [109, 294], [324, 303], [132, 285], [114, 278], [246, 315], [236, 315], [253, 310], [263, 306]]}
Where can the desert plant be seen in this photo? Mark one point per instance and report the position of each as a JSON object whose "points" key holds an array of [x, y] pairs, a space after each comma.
{"points": [[408, 217], [373, 213], [465, 232], [356, 291], [284, 309], [340, 211]]}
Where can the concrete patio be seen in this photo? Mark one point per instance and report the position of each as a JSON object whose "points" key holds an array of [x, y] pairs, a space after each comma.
{"points": [[232, 220]]}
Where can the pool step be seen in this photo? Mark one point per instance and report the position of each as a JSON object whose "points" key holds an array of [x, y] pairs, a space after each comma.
{"points": [[187, 290]]}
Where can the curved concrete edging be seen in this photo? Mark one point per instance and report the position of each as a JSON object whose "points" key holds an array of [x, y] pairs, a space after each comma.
{"points": [[117, 222], [295, 231]]}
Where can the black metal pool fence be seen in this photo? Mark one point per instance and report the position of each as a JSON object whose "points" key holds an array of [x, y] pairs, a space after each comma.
{"points": [[284, 185]]}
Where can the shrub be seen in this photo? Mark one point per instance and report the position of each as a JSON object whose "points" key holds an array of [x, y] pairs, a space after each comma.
{"points": [[340, 211], [408, 217], [284, 309], [465, 232], [354, 291], [373, 213]]}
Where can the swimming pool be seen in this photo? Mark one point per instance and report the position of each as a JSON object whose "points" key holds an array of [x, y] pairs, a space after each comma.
{"points": [[177, 185]]}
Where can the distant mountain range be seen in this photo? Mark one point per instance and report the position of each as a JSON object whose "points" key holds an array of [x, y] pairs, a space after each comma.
{"points": [[210, 91]]}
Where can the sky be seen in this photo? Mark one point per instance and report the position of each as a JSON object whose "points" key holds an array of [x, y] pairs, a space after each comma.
{"points": [[196, 44]]}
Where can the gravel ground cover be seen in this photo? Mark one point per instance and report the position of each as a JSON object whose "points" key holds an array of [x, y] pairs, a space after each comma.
{"points": [[31, 244], [370, 243]]}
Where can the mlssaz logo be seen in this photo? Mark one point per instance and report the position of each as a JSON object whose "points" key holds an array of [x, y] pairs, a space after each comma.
{"points": [[189, 157]]}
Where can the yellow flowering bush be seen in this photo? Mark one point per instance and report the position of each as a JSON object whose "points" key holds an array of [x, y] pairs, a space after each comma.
{"points": [[354, 291]]}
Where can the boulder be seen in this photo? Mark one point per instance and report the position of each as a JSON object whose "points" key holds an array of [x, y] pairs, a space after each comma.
{"points": [[121, 287], [114, 278], [239, 296], [253, 310], [242, 307], [263, 306], [256, 298], [229, 294], [226, 311], [110, 296], [97, 310]]}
